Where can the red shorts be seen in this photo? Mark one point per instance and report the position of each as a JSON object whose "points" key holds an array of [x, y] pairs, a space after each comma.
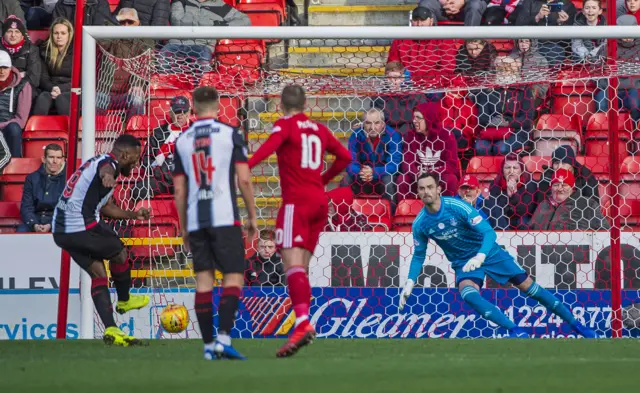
{"points": [[300, 225]]}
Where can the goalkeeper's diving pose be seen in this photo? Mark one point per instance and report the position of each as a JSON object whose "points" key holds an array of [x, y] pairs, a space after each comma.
{"points": [[469, 243]]}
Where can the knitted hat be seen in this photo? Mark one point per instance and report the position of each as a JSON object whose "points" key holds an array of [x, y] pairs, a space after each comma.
{"points": [[13, 22], [564, 176]]}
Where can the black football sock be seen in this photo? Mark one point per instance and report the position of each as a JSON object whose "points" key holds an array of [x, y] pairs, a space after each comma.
{"points": [[121, 275], [102, 301], [227, 309], [204, 312]]}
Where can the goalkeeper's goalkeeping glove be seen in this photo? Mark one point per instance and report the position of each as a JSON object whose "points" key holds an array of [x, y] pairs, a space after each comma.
{"points": [[406, 292], [474, 263]]}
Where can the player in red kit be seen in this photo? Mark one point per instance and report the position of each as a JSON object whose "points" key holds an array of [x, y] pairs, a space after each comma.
{"points": [[300, 145]]}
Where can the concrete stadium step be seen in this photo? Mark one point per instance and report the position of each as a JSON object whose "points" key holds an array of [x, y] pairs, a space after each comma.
{"points": [[343, 56], [335, 71], [328, 115], [262, 136], [360, 15], [315, 103], [339, 42]]}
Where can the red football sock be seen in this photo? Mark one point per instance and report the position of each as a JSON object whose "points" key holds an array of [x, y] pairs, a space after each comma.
{"points": [[299, 292]]}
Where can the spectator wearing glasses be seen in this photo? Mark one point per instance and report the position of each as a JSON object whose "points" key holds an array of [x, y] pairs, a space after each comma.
{"points": [[158, 156], [15, 104], [123, 89], [566, 210], [42, 189]]}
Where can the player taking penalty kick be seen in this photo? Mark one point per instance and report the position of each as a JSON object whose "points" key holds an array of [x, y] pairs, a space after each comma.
{"points": [[469, 243], [300, 145], [78, 229], [208, 158]]}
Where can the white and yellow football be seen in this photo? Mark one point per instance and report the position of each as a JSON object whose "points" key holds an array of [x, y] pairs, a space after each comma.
{"points": [[174, 318]]}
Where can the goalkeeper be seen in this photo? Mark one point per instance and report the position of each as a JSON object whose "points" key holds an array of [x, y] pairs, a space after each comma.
{"points": [[469, 243]]}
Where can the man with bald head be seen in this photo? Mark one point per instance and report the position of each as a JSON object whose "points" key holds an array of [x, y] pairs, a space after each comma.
{"points": [[376, 151]]}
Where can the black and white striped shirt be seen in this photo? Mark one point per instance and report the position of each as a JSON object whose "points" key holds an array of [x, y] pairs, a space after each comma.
{"points": [[206, 154], [78, 208]]}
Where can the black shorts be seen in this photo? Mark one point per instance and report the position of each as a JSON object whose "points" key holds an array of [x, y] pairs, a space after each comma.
{"points": [[217, 248], [96, 244]]}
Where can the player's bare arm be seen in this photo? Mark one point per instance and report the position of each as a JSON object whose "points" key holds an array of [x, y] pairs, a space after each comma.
{"points": [[180, 196], [112, 210], [107, 175], [246, 189]]}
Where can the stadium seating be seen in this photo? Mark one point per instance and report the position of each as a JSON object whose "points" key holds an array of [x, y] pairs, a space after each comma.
{"points": [[597, 135], [553, 130], [43, 130], [377, 211], [14, 175], [38, 36], [264, 12], [9, 217], [406, 212]]}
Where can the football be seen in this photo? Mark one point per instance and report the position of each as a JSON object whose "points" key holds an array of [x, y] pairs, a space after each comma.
{"points": [[174, 318]]}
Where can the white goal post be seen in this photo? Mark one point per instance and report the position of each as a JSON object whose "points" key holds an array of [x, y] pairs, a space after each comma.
{"points": [[91, 34]]}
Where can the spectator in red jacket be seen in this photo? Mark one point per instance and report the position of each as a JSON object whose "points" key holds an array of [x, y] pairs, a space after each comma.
{"points": [[427, 148], [423, 59]]}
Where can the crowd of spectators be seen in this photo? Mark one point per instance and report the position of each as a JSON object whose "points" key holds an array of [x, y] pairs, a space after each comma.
{"points": [[400, 137]]}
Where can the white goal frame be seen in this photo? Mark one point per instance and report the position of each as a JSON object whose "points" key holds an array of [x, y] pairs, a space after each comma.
{"points": [[92, 33]]}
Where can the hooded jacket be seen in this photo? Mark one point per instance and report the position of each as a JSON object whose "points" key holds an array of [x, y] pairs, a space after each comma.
{"points": [[150, 12], [435, 151], [385, 158], [472, 66], [96, 12], [15, 101], [593, 48], [40, 196], [511, 212], [621, 9], [208, 13], [534, 66], [264, 272], [516, 105], [586, 183], [398, 109], [575, 213]]}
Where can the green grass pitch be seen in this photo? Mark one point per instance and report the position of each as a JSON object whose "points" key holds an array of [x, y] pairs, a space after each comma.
{"points": [[327, 366]]}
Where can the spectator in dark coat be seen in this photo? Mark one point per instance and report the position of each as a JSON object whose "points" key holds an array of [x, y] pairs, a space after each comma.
{"points": [[25, 56], [502, 12], [467, 11], [585, 183], [376, 151], [57, 66], [534, 66], [475, 58], [428, 147], [8, 8], [566, 210], [96, 12], [541, 13], [42, 189], [38, 13], [265, 267], [513, 196], [584, 49], [151, 12], [512, 107], [158, 156], [15, 104]]}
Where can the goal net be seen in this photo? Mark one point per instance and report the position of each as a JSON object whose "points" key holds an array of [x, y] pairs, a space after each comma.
{"points": [[529, 131]]}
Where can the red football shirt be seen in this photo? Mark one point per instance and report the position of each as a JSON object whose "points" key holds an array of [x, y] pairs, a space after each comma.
{"points": [[301, 145]]}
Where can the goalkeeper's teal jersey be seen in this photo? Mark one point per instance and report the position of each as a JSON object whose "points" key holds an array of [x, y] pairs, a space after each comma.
{"points": [[458, 229]]}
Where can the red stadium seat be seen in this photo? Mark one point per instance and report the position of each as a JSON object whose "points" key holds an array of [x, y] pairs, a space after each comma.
{"points": [[143, 123], [229, 107], [535, 165], [43, 130], [598, 126], [485, 167], [113, 4], [159, 207], [9, 217], [377, 211], [38, 36], [569, 105], [406, 212], [502, 46], [553, 130], [14, 174], [48, 123], [263, 12], [240, 59], [630, 211], [173, 81]]}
